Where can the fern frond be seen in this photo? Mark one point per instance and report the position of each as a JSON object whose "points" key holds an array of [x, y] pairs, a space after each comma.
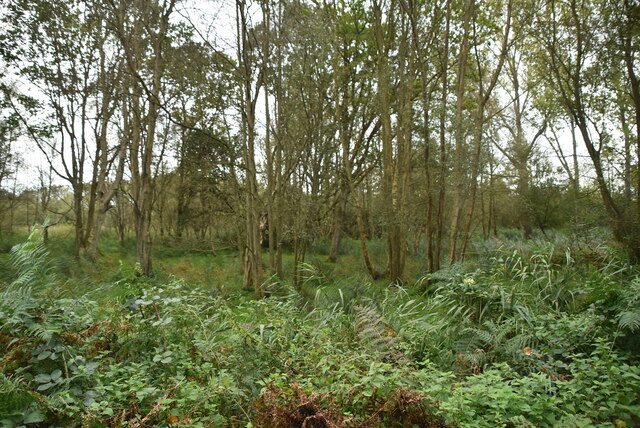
{"points": [[376, 334], [516, 344], [13, 395], [468, 344], [18, 302], [16, 307], [31, 261], [629, 320], [628, 306]]}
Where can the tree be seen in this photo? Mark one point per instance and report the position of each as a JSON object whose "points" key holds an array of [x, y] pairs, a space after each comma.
{"points": [[79, 93], [356, 119], [395, 172], [486, 81], [431, 72], [520, 147], [250, 79], [199, 82], [571, 37], [142, 28]]}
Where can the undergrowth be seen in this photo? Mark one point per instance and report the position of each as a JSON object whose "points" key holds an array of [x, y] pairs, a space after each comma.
{"points": [[516, 339]]}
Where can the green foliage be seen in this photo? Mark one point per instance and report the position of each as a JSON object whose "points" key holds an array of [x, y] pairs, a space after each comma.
{"points": [[629, 307], [18, 407], [499, 398], [375, 334], [31, 262], [518, 339]]}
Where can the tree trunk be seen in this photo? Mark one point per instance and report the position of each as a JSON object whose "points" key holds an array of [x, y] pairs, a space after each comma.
{"points": [[483, 96], [338, 223], [437, 257], [475, 172], [459, 167], [105, 197], [79, 224], [392, 177], [633, 213], [299, 253], [252, 266], [143, 126]]}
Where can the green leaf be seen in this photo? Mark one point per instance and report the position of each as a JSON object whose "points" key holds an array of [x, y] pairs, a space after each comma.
{"points": [[43, 355], [45, 386], [43, 378], [55, 375], [33, 417]]}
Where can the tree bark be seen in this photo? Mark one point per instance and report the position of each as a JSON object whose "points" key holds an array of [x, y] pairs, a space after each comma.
{"points": [[338, 223], [252, 265], [459, 134], [393, 178]]}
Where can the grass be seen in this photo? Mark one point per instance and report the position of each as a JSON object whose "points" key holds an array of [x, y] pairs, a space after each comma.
{"points": [[221, 272]]}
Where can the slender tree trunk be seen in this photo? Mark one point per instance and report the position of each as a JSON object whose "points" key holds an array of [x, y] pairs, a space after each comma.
{"points": [[349, 189], [272, 150], [391, 176], [362, 228], [253, 260], [483, 211], [252, 265], [459, 134], [119, 217], [575, 182], [483, 99], [437, 258], [102, 192], [299, 253], [143, 126], [626, 133], [475, 172], [522, 188], [78, 196], [338, 223], [410, 9], [104, 203], [403, 169], [633, 214]]}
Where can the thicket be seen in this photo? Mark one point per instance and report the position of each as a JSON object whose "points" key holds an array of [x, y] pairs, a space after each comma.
{"points": [[532, 336]]}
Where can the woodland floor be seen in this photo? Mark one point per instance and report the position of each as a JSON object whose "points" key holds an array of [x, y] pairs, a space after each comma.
{"points": [[539, 333]]}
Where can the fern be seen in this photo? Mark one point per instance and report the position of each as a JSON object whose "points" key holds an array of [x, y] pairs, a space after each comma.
{"points": [[447, 274], [629, 307], [376, 334], [630, 320], [13, 395], [31, 261], [492, 341], [18, 302], [16, 308]]}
